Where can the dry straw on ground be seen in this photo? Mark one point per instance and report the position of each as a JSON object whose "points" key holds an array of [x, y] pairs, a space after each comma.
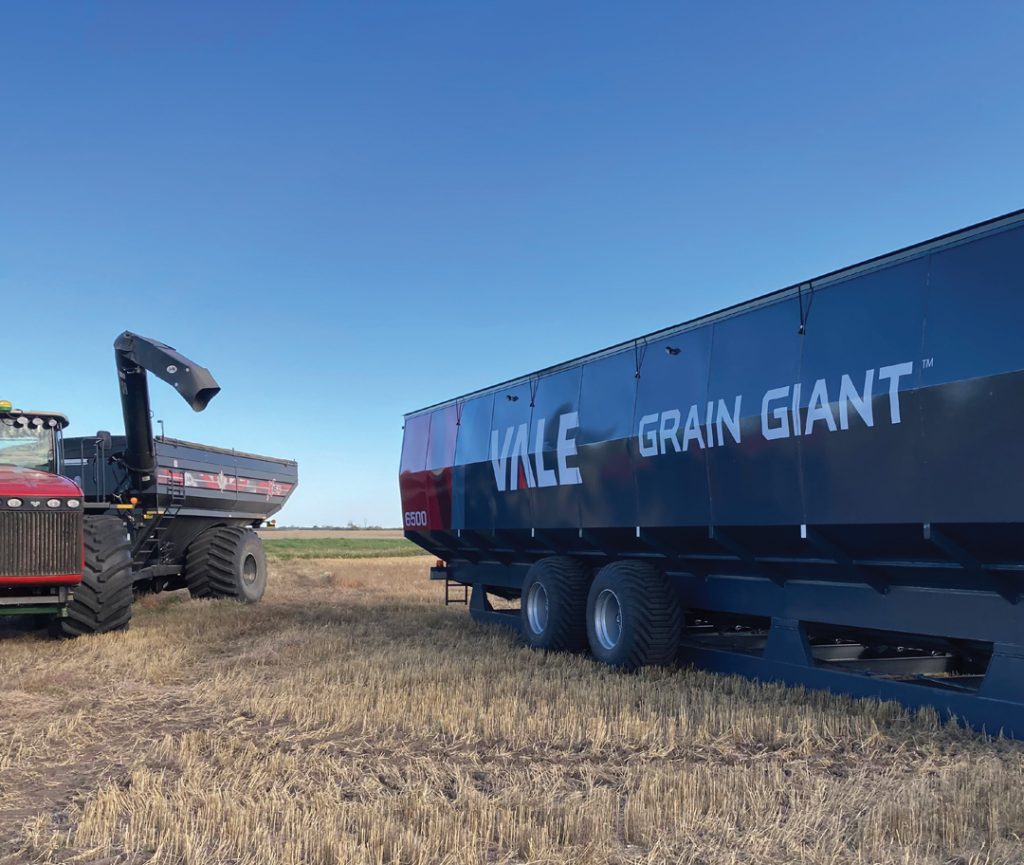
{"points": [[350, 718]]}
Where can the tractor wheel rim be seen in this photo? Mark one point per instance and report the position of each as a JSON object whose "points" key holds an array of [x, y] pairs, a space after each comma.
{"points": [[250, 570], [608, 619], [537, 608]]}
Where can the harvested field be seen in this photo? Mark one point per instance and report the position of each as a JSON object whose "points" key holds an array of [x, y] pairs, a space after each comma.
{"points": [[307, 534], [350, 718], [340, 548]]}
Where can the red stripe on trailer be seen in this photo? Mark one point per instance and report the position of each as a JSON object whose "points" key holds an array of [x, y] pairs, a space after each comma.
{"points": [[205, 480]]}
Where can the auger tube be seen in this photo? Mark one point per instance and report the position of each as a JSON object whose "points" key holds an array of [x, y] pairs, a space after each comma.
{"points": [[135, 355]]}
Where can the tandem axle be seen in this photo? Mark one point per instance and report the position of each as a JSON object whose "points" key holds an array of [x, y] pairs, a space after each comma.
{"points": [[862, 654]]}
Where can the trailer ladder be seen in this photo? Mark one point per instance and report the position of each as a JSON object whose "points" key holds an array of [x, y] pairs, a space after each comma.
{"points": [[150, 542], [453, 598], [451, 587]]}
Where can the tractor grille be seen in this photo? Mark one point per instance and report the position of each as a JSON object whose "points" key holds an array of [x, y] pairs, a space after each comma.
{"points": [[40, 543]]}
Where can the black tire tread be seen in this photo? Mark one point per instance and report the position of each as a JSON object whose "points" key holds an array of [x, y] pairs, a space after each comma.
{"points": [[210, 562], [102, 602], [572, 580], [656, 614]]}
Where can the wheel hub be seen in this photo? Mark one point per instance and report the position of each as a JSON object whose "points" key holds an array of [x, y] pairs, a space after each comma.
{"points": [[250, 570], [537, 608], [608, 619]]}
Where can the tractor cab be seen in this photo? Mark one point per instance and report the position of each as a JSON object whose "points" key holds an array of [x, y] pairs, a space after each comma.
{"points": [[31, 439]]}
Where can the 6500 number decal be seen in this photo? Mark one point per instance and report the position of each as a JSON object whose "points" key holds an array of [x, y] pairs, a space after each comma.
{"points": [[415, 519]]}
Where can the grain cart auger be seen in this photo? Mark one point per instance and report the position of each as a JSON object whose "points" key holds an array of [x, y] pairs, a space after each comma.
{"points": [[132, 512], [821, 486]]}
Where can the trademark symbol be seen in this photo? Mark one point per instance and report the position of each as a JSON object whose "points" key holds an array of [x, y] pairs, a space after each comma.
{"points": [[928, 363]]}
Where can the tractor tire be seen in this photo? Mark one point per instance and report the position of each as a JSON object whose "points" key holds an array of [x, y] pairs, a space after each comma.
{"points": [[227, 562], [634, 617], [103, 600], [553, 608]]}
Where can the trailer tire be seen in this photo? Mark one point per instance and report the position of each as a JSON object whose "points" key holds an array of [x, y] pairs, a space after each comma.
{"points": [[553, 606], [103, 600], [227, 562], [634, 617]]}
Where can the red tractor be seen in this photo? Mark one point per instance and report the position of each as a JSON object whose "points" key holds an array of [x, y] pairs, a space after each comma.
{"points": [[53, 560], [85, 523]]}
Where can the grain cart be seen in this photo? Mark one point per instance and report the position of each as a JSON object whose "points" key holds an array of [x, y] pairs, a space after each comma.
{"points": [[150, 513], [821, 486]]}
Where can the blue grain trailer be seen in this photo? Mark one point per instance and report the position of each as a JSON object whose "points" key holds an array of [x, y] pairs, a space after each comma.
{"points": [[823, 486]]}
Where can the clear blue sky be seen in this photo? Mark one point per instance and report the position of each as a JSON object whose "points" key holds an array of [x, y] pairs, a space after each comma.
{"points": [[351, 210]]}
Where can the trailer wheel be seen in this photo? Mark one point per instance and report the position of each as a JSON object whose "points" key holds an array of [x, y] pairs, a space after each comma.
{"points": [[554, 605], [633, 616], [227, 562], [103, 600]]}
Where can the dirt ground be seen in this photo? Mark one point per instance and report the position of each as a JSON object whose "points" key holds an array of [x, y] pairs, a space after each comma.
{"points": [[350, 718]]}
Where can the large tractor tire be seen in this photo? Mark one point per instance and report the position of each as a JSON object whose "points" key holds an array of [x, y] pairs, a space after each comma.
{"points": [[634, 618], [554, 605], [227, 562], [103, 600]]}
